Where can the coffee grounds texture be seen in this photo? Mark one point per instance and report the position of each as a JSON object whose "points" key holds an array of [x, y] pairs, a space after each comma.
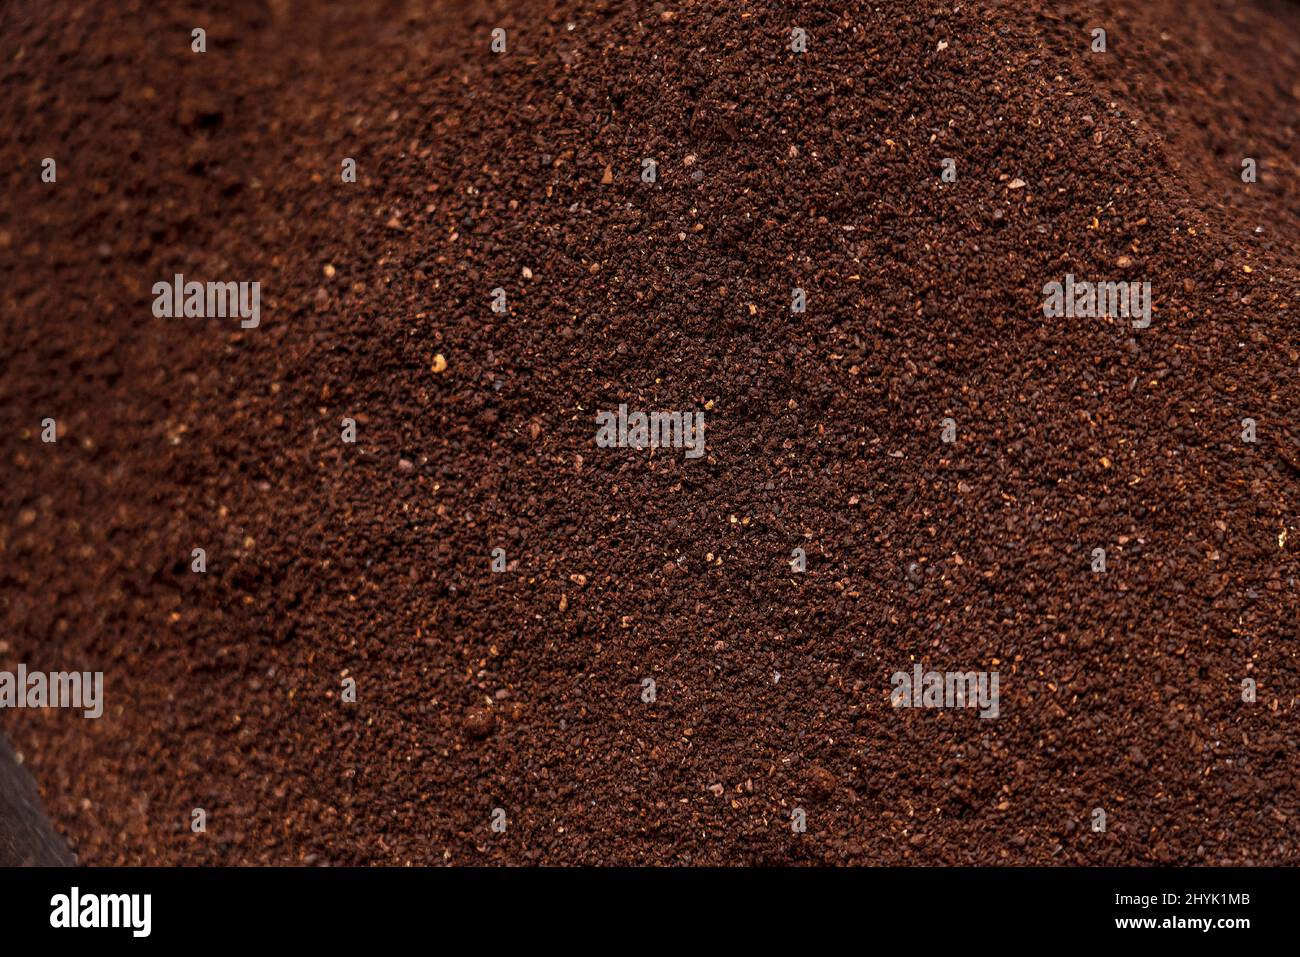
{"points": [[522, 171]]}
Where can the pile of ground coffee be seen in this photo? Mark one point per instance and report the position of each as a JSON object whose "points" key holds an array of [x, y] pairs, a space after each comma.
{"points": [[434, 620]]}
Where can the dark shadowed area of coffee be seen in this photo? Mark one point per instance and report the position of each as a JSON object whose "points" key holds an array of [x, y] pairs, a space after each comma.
{"points": [[26, 837]]}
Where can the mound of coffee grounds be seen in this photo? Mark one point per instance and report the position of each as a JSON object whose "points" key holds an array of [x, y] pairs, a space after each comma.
{"points": [[474, 635]]}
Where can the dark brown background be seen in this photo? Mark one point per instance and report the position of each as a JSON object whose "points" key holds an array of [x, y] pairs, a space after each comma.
{"points": [[522, 690]]}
